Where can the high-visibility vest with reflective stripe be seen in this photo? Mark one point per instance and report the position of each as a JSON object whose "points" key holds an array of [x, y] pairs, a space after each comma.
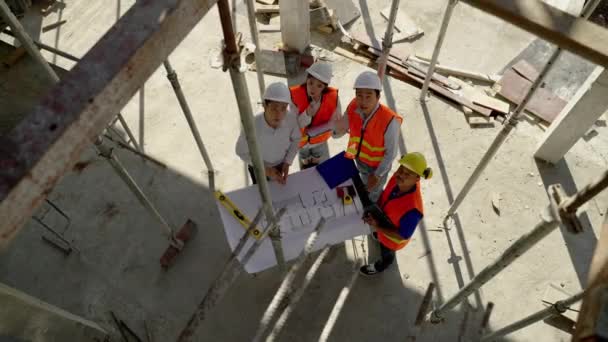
{"points": [[329, 103], [367, 143], [395, 209]]}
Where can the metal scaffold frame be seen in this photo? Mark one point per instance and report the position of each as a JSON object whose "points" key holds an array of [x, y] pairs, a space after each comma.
{"points": [[41, 148]]}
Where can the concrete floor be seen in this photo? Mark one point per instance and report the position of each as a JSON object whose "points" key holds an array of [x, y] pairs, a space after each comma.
{"points": [[116, 265]]}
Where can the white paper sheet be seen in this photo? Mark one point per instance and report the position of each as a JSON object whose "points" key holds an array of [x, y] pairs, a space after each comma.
{"points": [[307, 198]]}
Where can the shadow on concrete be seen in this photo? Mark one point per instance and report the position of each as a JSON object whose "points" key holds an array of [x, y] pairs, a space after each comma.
{"points": [[454, 258], [116, 267], [580, 246]]}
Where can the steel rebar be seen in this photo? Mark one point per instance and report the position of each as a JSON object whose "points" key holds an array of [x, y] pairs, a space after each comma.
{"points": [[288, 280], [222, 283], [26, 40], [241, 93], [442, 31], [511, 122], [558, 308]]}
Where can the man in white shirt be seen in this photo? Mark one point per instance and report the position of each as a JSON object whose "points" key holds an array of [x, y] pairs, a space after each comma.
{"points": [[277, 133]]}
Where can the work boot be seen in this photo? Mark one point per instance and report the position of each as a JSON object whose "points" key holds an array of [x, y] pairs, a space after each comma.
{"points": [[368, 270]]}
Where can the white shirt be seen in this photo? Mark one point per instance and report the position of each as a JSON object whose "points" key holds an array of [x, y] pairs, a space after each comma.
{"points": [[278, 145]]}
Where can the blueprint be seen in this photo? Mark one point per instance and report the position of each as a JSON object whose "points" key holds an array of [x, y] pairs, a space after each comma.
{"points": [[306, 198]]}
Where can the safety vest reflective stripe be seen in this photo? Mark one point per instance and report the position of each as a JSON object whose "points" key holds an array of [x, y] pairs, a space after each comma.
{"points": [[368, 144], [395, 209]]}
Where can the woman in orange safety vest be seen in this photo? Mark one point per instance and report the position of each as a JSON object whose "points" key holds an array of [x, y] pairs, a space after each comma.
{"points": [[318, 108], [401, 202]]}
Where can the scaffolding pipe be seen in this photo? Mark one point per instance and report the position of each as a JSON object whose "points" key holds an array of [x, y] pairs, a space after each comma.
{"points": [[387, 43], [124, 125], [243, 100], [177, 88], [254, 37], [442, 31], [295, 298], [47, 48], [550, 219], [287, 282], [337, 309], [131, 149], [108, 154], [556, 309], [511, 122], [26, 40], [222, 283]]}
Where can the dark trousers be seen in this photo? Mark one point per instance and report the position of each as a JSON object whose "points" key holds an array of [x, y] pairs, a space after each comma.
{"points": [[387, 257]]}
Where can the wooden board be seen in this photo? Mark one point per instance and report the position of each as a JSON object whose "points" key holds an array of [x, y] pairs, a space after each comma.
{"points": [[345, 10], [474, 94], [403, 74], [526, 70], [543, 104], [437, 77], [403, 24], [266, 2], [266, 8]]}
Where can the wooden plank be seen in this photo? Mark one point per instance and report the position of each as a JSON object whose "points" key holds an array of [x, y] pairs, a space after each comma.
{"points": [[472, 93], [490, 102], [403, 74], [44, 145], [262, 9], [403, 24], [346, 11], [526, 70], [437, 77], [543, 104], [574, 34], [266, 2]]}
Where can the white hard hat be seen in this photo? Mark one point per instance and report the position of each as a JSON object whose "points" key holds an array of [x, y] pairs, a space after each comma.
{"points": [[278, 92], [368, 80], [321, 71]]}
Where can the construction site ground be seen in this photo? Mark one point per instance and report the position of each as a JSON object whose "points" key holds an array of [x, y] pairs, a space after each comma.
{"points": [[118, 244]]}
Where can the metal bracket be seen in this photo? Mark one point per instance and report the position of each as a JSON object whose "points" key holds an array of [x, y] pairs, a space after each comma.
{"points": [[558, 196], [236, 59]]}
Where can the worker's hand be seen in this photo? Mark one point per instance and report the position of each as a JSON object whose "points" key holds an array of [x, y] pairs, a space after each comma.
{"points": [[284, 170], [372, 182], [273, 174], [341, 125], [369, 219], [313, 107]]}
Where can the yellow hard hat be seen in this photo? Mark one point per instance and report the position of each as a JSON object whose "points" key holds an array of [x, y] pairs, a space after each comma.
{"points": [[416, 163]]}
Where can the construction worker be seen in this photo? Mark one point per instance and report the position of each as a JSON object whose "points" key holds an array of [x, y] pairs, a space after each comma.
{"points": [[401, 203], [318, 108], [278, 135], [374, 133]]}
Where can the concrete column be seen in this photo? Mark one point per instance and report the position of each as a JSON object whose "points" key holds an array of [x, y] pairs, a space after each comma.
{"points": [[581, 112], [295, 24], [26, 318]]}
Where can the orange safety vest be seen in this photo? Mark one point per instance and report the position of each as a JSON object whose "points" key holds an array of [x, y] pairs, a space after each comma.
{"points": [[367, 143], [395, 209], [329, 102]]}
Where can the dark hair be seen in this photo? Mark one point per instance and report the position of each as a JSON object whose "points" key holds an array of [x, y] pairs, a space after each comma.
{"points": [[377, 92], [325, 90]]}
